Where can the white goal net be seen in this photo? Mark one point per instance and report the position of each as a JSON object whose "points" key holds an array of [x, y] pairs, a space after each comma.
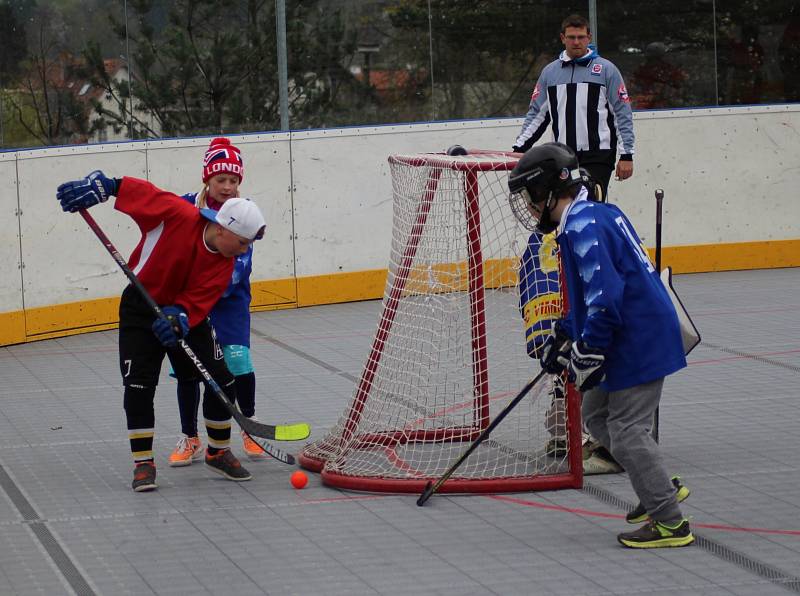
{"points": [[450, 348]]}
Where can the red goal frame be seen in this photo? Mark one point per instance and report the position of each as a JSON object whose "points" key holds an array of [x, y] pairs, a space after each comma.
{"points": [[493, 161]]}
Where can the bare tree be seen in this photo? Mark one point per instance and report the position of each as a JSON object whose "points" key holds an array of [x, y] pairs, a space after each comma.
{"points": [[46, 103]]}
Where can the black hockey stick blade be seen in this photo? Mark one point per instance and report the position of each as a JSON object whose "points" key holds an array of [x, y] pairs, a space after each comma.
{"points": [[432, 488], [274, 452], [426, 494]]}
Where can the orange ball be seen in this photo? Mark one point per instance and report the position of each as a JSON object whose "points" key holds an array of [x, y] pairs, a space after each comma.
{"points": [[299, 479]]}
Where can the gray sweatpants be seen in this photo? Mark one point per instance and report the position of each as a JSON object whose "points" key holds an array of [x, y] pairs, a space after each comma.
{"points": [[622, 421]]}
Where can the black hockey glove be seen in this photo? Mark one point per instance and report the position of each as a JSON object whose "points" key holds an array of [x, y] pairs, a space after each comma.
{"points": [[173, 326], [586, 366], [555, 351]]}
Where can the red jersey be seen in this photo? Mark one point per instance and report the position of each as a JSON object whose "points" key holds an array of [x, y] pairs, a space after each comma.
{"points": [[172, 259]]}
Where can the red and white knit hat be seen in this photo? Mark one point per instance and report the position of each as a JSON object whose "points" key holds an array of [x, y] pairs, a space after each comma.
{"points": [[222, 158]]}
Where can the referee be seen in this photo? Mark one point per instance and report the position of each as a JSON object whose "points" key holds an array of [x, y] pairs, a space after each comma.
{"points": [[583, 98]]}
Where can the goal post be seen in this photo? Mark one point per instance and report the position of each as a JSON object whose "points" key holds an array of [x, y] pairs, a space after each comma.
{"points": [[449, 350]]}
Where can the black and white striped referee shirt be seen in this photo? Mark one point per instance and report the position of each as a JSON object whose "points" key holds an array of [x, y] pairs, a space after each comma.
{"points": [[587, 106]]}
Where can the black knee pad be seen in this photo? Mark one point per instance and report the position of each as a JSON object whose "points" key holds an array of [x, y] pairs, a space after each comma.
{"points": [[138, 398]]}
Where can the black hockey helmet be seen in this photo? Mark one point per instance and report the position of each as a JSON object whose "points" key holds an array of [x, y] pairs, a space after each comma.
{"points": [[541, 176]]}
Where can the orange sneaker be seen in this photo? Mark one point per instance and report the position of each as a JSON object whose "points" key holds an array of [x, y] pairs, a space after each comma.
{"points": [[187, 450], [251, 448]]}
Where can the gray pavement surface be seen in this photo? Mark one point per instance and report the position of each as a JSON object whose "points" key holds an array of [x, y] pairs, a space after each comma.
{"points": [[69, 522]]}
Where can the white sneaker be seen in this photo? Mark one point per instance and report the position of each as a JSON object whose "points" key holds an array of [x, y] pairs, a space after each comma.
{"points": [[595, 464]]}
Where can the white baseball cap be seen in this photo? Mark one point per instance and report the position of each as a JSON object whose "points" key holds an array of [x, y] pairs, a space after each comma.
{"points": [[240, 216]]}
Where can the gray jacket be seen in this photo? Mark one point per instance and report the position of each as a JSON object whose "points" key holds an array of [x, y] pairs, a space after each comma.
{"points": [[588, 106]]}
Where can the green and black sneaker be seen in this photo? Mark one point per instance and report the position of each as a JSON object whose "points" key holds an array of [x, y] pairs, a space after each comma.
{"points": [[655, 534], [639, 515]]}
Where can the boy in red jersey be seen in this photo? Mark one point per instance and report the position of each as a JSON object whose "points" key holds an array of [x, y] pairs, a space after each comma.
{"points": [[184, 259]]}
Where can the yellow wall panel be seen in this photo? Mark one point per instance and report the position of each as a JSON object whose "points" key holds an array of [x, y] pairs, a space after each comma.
{"points": [[340, 287], [701, 258], [12, 328], [74, 317], [273, 294], [101, 314]]}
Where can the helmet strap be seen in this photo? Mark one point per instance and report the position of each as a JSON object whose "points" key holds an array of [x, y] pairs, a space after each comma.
{"points": [[546, 223]]}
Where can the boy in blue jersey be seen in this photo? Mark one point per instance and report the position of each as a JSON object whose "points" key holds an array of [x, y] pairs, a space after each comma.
{"points": [[540, 305], [623, 330]]}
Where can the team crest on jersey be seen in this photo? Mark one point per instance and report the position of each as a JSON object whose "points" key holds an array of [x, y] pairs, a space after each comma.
{"points": [[623, 93], [535, 93], [597, 69]]}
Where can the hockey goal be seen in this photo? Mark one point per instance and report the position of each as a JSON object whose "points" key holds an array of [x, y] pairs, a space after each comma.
{"points": [[449, 351]]}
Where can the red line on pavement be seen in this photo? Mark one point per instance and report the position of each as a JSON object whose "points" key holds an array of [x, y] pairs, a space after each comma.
{"points": [[590, 513]]}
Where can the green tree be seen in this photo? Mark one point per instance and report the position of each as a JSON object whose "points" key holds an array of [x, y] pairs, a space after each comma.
{"points": [[211, 67], [486, 53]]}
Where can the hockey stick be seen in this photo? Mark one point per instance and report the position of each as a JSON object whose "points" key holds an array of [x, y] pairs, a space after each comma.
{"points": [[431, 488], [253, 428], [659, 199]]}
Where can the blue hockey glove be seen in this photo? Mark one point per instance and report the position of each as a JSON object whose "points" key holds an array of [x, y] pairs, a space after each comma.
{"points": [[173, 326], [586, 366], [555, 351], [82, 194]]}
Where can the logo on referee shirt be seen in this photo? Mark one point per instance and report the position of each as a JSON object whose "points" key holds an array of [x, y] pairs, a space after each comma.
{"points": [[597, 69], [623, 93]]}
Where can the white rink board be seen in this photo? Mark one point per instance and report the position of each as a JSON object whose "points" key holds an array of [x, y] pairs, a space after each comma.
{"points": [[729, 175], [10, 275], [64, 260], [343, 198], [177, 165]]}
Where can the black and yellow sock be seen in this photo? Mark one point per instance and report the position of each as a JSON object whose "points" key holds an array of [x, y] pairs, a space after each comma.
{"points": [[138, 402]]}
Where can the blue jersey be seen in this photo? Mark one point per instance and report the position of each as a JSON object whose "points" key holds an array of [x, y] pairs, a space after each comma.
{"points": [[617, 302], [539, 297], [230, 316]]}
